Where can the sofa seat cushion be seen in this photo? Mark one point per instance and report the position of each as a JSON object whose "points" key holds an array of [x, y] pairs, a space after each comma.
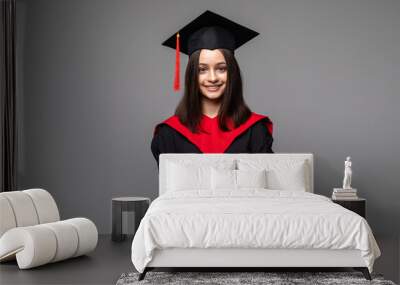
{"points": [[40, 244]]}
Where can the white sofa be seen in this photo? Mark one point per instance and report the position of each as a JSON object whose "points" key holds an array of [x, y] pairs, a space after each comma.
{"points": [[31, 231]]}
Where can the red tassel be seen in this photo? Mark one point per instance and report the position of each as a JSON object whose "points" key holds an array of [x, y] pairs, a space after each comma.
{"points": [[177, 64]]}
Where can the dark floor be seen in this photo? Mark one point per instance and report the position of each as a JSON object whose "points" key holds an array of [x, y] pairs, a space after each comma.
{"points": [[102, 266], [110, 259]]}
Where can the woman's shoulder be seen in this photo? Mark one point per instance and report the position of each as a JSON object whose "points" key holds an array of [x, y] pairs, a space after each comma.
{"points": [[260, 117], [164, 127], [260, 127], [262, 123]]}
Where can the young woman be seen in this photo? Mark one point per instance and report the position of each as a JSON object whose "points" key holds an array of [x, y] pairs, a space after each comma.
{"points": [[212, 116]]}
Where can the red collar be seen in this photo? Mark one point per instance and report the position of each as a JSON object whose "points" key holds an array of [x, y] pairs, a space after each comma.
{"points": [[214, 140]]}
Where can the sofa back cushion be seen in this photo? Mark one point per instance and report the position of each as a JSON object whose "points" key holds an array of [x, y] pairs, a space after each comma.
{"points": [[26, 208]]}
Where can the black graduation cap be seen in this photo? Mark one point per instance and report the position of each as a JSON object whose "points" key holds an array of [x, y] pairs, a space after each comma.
{"points": [[207, 31]]}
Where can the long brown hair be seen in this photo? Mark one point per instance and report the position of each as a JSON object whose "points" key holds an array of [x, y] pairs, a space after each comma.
{"points": [[189, 109]]}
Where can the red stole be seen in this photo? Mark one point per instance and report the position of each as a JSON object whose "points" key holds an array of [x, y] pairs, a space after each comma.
{"points": [[214, 140]]}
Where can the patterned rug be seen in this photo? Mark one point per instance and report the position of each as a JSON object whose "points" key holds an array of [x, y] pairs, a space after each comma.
{"points": [[270, 278]]}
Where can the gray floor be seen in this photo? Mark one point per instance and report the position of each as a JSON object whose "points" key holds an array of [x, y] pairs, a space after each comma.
{"points": [[111, 259], [102, 266]]}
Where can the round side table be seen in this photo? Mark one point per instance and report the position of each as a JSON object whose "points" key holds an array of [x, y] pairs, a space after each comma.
{"points": [[138, 205]]}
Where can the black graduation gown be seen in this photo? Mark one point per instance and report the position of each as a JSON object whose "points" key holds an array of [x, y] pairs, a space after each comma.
{"points": [[256, 139]]}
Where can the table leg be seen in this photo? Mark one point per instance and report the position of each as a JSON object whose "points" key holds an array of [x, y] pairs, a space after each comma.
{"points": [[140, 209], [117, 222]]}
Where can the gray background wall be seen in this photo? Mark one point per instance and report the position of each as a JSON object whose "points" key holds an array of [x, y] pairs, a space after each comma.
{"points": [[94, 80]]}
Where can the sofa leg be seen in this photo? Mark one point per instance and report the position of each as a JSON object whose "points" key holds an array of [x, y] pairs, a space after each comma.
{"points": [[364, 271], [143, 274]]}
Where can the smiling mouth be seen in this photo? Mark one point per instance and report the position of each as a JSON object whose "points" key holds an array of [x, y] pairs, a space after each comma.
{"points": [[213, 88]]}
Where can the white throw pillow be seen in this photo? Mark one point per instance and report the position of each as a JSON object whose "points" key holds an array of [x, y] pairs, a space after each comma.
{"points": [[251, 178], [182, 177], [189, 174], [282, 174], [236, 179], [223, 179]]}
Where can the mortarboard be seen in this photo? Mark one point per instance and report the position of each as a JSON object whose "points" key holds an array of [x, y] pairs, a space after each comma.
{"points": [[207, 31]]}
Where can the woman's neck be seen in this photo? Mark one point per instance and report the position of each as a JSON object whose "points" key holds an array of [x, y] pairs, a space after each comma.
{"points": [[210, 108]]}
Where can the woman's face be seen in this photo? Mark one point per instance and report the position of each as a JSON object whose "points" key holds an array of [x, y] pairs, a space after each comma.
{"points": [[213, 73]]}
